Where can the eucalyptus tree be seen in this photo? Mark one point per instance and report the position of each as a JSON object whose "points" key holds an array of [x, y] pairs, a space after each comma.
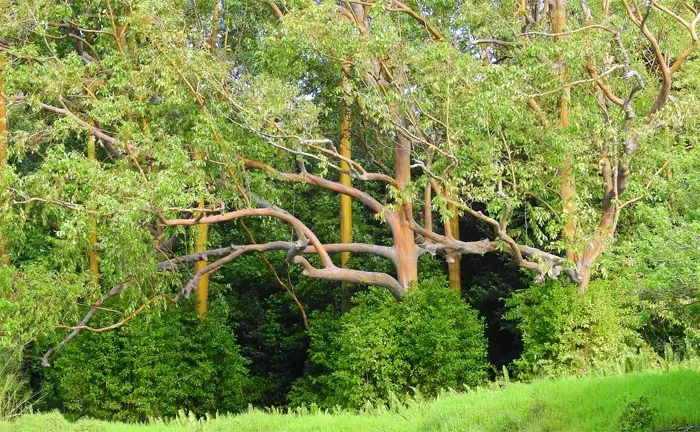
{"points": [[204, 109]]}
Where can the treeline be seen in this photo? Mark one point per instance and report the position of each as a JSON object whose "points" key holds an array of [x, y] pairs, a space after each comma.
{"points": [[211, 204]]}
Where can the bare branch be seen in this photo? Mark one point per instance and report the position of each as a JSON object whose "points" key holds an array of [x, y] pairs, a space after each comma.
{"points": [[95, 306], [383, 251], [126, 319], [310, 179]]}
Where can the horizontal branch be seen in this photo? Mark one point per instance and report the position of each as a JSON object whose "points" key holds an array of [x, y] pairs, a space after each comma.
{"points": [[355, 276], [383, 251], [330, 272], [402, 7]]}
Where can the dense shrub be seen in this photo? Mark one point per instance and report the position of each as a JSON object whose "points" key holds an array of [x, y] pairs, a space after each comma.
{"points": [[159, 363], [638, 416], [566, 332], [663, 267], [381, 349]]}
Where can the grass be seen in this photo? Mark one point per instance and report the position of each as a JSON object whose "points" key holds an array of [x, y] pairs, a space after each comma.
{"points": [[632, 402], [14, 399]]}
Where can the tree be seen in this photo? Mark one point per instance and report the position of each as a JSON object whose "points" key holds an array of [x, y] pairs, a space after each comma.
{"points": [[450, 101]]}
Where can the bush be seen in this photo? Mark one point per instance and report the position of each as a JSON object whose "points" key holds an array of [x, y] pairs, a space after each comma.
{"points": [[382, 349], [638, 416], [566, 332], [157, 364]]}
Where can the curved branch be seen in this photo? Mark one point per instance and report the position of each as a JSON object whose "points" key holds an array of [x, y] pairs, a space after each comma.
{"points": [[353, 276], [311, 179], [604, 87], [284, 286], [275, 9], [302, 230]]}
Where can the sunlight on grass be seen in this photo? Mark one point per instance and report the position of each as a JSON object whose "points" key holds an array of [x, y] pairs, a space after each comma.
{"points": [[572, 404]]}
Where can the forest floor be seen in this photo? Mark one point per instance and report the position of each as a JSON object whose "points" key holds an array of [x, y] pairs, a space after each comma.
{"points": [[631, 402]]}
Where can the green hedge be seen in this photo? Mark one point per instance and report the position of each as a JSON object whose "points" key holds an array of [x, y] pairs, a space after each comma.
{"points": [[161, 362], [382, 349]]}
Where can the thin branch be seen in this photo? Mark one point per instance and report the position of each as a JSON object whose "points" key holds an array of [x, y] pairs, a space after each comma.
{"points": [[583, 81], [282, 285], [114, 291], [123, 321], [311, 179], [570, 32], [402, 7]]}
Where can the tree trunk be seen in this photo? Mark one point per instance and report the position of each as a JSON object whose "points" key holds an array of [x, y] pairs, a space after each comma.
{"points": [[567, 185], [345, 201], [92, 222], [454, 266], [200, 245], [202, 230], [404, 239], [214, 27]]}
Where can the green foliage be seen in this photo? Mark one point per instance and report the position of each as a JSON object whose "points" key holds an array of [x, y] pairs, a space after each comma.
{"points": [[638, 416], [381, 349], [159, 90], [163, 361], [33, 300], [566, 332], [443, 339]]}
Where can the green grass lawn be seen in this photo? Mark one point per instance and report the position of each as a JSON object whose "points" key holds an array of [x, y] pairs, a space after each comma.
{"points": [[588, 404]]}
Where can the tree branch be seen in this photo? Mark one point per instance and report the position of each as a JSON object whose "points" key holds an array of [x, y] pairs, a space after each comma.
{"points": [[311, 179], [383, 251], [402, 7], [93, 309]]}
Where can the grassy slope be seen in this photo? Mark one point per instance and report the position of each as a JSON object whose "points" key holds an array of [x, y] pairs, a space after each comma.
{"points": [[591, 404]]}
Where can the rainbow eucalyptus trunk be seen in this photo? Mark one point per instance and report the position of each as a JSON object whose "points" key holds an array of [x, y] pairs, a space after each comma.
{"points": [[406, 260], [200, 245], [454, 265]]}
